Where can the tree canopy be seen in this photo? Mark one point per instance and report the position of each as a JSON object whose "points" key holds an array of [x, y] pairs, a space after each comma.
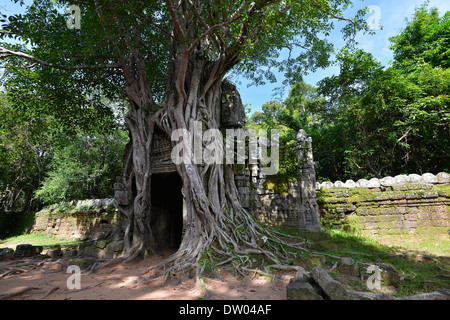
{"points": [[375, 120]]}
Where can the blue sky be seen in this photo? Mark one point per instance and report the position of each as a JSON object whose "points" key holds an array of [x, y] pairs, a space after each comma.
{"points": [[392, 13]]}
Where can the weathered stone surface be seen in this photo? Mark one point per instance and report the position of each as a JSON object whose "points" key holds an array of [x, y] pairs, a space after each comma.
{"points": [[115, 246], [401, 179], [338, 184], [415, 178], [232, 110], [300, 289], [27, 250], [6, 254], [374, 183], [362, 183], [348, 266], [76, 220], [389, 274], [387, 181], [69, 252], [429, 178], [53, 252], [59, 265], [327, 184], [304, 262], [81, 262], [331, 288], [101, 244], [121, 196], [443, 177], [349, 184], [407, 208]]}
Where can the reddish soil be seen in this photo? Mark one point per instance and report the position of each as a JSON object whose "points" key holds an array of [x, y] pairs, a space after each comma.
{"points": [[126, 281]]}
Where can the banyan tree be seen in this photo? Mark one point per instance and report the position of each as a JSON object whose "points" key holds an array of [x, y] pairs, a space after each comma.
{"points": [[167, 59]]}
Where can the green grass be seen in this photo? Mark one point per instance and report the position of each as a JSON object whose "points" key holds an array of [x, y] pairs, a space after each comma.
{"points": [[35, 239], [420, 274]]}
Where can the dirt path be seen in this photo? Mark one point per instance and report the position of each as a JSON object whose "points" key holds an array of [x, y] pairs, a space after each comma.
{"points": [[125, 282]]}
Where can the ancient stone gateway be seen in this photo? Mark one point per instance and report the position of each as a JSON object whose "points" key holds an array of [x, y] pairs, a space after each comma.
{"points": [[167, 208], [167, 218]]}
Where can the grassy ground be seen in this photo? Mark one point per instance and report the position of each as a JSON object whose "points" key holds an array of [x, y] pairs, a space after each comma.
{"points": [[34, 239], [423, 262]]}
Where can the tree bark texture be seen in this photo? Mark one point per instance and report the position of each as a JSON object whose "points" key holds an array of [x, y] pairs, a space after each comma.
{"points": [[218, 228]]}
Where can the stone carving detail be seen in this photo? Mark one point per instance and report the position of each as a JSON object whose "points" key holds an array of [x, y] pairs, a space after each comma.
{"points": [[307, 182], [161, 161], [296, 207]]}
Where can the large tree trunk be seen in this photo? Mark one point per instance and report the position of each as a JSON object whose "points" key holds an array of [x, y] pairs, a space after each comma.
{"points": [[217, 224]]}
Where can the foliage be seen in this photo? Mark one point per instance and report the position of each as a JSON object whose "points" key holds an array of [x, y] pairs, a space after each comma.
{"points": [[427, 37], [299, 109], [377, 121], [391, 122], [73, 156], [24, 158], [84, 168]]}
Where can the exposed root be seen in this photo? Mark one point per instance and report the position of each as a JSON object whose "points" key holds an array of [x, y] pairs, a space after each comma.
{"points": [[16, 293]]}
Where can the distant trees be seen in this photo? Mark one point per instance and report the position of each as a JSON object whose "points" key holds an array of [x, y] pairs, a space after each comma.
{"points": [[379, 121], [45, 157], [84, 167]]}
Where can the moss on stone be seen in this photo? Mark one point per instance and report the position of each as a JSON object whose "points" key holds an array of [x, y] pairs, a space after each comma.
{"points": [[277, 184]]}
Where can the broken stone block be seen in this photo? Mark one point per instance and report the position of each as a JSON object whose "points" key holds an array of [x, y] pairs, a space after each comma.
{"points": [[53, 252], [389, 274], [387, 181], [6, 254], [304, 262], [332, 289], [58, 265], [27, 250], [429, 178], [349, 184], [300, 289], [443, 177]]}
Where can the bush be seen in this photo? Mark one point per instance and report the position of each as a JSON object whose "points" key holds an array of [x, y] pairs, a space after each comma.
{"points": [[85, 168]]}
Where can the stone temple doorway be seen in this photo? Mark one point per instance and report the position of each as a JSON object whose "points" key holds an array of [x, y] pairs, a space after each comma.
{"points": [[167, 210]]}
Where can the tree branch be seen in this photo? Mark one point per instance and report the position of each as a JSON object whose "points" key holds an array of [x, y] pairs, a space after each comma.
{"points": [[5, 53], [175, 20]]}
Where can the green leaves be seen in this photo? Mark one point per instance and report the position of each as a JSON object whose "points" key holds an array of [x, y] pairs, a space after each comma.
{"points": [[374, 121], [84, 167], [426, 37], [394, 120]]}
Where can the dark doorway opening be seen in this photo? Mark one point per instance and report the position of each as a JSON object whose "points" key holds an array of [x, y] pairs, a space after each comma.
{"points": [[167, 210]]}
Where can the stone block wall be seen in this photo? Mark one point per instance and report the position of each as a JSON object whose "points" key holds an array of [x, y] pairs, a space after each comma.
{"points": [[77, 220], [393, 206], [278, 201]]}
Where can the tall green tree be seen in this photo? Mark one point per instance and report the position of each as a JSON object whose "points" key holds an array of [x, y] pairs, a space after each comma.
{"points": [[426, 37], [168, 59], [395, 120], [85, 167], [370, 120], [302, 109], [24, 158]]}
